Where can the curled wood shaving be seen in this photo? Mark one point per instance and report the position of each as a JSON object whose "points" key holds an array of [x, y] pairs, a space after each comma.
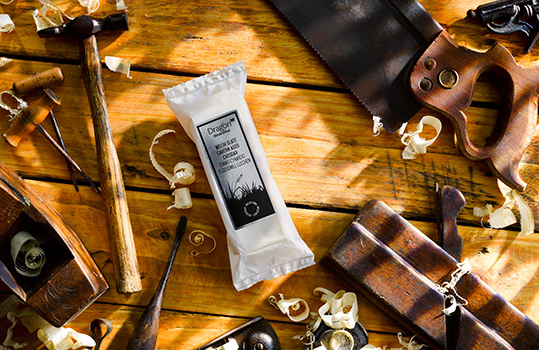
{"points": [[377, 126], [13, 112], [286, 306], [504, 216], [198, 239], [340, 309], [415, 144], [450, 287], [28, 257], [54, 338], [91, 5]]}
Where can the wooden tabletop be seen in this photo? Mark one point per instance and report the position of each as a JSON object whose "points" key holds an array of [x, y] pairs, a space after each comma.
{"points": [[318, 141]]}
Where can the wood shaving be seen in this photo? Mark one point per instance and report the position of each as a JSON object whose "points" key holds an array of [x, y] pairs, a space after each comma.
{"points": [[4, 61], [415, 144], [118, 65], [288, 305], [450, 287], [340, 309], [502, 217], [198, 239], [13, 112], [6, 24]]}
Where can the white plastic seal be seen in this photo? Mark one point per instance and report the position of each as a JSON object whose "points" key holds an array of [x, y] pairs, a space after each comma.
{"points": [[263, 242]]}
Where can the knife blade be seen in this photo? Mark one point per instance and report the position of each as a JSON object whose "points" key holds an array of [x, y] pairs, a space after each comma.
{"points": [[395, 58]]}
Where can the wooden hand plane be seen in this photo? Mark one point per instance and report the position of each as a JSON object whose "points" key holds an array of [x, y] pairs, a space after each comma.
{"points": [[398, 268], [70, 280]]}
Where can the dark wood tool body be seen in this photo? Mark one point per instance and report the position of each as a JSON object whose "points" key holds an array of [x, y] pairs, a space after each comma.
{"points": [[70, 280], [387, 258], [144, 336], [110, 174]]}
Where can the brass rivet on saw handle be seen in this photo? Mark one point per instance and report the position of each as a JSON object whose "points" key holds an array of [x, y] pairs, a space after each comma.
{"points": [[448, 78]]}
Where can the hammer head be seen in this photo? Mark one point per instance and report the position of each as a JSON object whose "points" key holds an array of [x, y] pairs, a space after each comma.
{"points": [[84, 26]]}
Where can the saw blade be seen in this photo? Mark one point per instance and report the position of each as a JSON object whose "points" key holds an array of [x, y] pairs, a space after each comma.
{"points": [[371, 45]]}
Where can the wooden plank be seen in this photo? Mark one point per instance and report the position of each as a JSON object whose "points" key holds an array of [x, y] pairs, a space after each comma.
{"points": [[293, 124], [317, 138], [178, 329], [200, 37], [194, 280]]}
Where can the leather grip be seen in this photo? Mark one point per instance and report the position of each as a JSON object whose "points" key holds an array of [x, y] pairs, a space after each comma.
{"points": [[444, 79]]}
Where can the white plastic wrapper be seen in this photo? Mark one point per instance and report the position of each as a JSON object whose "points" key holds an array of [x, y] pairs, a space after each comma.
{"points": [[263, 242]]}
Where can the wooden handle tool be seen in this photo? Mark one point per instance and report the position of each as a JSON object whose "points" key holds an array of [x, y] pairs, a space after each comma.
{"points": [[124, 254], [444, 79], [33, 115], [38, 81], [144, 336], [112, 185]]}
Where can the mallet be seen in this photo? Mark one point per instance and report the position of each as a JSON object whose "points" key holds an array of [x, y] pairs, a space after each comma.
{"points": [[124, 253]]}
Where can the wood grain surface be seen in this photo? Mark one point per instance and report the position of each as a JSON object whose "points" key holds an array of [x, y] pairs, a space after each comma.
{"points": [[318, 141]]}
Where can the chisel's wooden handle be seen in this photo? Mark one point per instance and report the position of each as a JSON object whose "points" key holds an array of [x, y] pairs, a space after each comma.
{"points": [[444, 79], [38, 81], [112, 186]]}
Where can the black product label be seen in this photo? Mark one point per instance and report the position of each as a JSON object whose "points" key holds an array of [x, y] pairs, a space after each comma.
{"points": [[235, 169]]}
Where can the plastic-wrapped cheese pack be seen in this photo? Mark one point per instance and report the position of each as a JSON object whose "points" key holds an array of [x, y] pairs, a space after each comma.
{"points": [[263, 242]]}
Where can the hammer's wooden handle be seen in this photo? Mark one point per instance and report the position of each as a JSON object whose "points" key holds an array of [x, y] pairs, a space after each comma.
{"points": [[112, 186]]}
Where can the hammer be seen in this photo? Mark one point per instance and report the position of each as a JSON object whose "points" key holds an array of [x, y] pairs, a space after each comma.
{"points": [[124, 255]]}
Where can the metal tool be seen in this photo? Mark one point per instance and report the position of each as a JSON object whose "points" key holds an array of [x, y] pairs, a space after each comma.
{"points": [[144, 336], [510, 16], [66, 156], [339, 339], [257, 334], [31, 119], [84, 28], [43, 80], [61, 143], [96, 328], [393, 55]]}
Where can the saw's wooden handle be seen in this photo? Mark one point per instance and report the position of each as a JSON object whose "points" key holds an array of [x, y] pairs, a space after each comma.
{"points": [[444, 78], [124, 254]]}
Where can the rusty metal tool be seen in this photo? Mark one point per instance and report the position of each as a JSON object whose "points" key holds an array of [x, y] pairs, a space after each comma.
{"points": [[257, 334], [62, 144], [144, 336], [66, 156], [395, 57], [85, 28], [42, 80], [510, 16], [31, 119]]}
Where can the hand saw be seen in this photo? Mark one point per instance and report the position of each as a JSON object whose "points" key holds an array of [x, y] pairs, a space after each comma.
{"points": [[395, 57]]}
